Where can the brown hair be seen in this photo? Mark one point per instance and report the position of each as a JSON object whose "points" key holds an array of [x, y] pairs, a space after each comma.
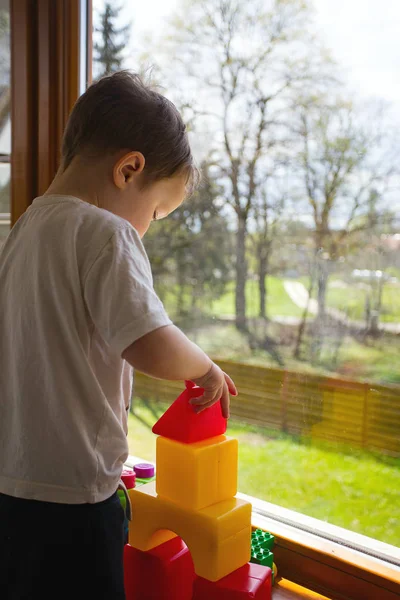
{"points": [[120, 111]]}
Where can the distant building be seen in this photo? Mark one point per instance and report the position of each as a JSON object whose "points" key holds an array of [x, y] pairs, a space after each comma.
{"points": [[391, 241]]}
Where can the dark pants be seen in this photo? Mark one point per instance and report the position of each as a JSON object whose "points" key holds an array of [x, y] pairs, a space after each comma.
{"points": [[54, 551]]}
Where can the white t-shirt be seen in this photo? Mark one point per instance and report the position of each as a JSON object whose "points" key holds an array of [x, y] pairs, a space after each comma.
{"points": [[75, 291]]}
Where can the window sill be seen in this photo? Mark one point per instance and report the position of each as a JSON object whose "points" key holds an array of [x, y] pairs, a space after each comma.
{"points": [[329, 559], [314, 557]]}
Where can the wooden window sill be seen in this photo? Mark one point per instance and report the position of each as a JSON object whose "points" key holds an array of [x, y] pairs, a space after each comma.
{"points": [[330, 560], [287, 590]]}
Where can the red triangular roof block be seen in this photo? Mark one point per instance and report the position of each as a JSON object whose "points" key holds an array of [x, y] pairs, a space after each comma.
{"points": [[182, 424]]}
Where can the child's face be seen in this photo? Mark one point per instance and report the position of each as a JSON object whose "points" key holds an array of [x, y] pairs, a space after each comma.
{"points": [[156, 201]]}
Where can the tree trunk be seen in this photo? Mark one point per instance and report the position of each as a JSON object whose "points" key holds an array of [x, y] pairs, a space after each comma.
{"points": [[262, 274], [376, 312], [322, 287], [302, 326], [320, 321], [241, 274]]}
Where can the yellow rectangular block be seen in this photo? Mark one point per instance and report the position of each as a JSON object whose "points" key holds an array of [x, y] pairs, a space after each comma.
{"points": [[197, 475], [160, 537], [235, 546], [218, 536]]}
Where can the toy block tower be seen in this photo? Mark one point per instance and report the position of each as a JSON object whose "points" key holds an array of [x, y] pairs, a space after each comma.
{"points": [[194, 496]]}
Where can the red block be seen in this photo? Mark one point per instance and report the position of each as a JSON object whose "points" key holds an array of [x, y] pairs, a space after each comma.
{"points": [[181, 423], [251, 581], [164, 573]]}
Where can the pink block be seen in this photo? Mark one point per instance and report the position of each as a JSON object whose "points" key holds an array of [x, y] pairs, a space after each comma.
{"points": [[164, 573], [251, 581]]}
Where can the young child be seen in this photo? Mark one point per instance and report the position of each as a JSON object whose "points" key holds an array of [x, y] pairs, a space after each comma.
{"points": [[78, 313]]}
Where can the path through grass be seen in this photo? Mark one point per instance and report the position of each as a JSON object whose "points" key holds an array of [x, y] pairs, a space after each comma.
{"points": [[278, 301]]}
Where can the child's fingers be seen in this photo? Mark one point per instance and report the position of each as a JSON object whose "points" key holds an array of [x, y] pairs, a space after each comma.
{"points": [[199, 409], [208, 397], [231, 386], [225, 402], [222, 395]]}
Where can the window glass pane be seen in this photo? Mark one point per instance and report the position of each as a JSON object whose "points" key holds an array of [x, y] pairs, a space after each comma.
{"points": [[286, 260], [5, 121]]}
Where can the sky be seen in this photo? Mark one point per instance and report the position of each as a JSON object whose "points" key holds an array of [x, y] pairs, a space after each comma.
{"points": [[362, 34]]}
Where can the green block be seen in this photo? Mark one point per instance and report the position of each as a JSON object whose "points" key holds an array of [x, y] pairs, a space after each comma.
{"points": [[262, 543], [263, 539], [122, 498], [262, 557], [140, 481]]}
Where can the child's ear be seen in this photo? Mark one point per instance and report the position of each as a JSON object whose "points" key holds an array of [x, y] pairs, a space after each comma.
{"points": [[127, 168]]}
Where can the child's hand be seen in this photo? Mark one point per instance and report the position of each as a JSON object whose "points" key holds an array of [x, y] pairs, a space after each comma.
{"points": [[217, 386]]}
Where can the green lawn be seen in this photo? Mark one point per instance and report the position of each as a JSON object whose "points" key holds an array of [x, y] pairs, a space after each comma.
{"points": [[278, 302], [348, 488], [351, 300], [348, 298], [378, 361]]}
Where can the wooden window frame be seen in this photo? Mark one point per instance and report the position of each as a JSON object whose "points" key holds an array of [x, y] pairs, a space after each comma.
{"points": [[45, 83], [327, 559]]}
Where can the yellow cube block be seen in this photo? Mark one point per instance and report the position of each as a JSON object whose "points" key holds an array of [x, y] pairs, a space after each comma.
{"points": [[218, 537], [197, 475]]}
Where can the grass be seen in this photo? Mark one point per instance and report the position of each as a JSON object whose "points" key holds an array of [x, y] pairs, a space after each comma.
{"points": [[376, 360], [351, 300], [348, 298], [343, 486], [278, 302], [373, 360]]}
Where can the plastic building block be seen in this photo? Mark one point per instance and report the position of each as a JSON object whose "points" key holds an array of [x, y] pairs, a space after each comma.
{"points": [[144, 470], [262, 539], [159, 537], [274, 573], [249, 582], [164, 573], [217, 536], [262, 543], [140, 481], [128, 476], [262, 557], [181, 423], [122, 499], [189, 384], [197, 475]]}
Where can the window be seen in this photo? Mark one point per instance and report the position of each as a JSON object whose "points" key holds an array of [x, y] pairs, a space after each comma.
{"points": [[5, 120], [284, 266]]}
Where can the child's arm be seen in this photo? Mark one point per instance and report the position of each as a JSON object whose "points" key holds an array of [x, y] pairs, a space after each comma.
{"points": [[167, 353]]}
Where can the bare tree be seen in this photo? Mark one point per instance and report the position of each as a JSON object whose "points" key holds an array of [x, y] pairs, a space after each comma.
{"points": [[342, 160], [238, 70], [267, 211]]}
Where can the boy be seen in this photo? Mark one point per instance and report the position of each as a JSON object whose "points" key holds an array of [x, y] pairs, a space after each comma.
{"points": [[78, 312]]}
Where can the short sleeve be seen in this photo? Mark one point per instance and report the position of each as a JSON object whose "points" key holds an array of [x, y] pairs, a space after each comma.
{"points": [[119, 293]]}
